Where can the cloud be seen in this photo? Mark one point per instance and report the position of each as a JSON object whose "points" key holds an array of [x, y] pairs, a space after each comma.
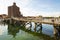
{"points": [[30, 10], [45, 10], [24, 2]]}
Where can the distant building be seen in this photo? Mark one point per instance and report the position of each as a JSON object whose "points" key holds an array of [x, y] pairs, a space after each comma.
{"points": [[4, 16], [48, 18], [34, 17], [1, 17], [13, 11]]}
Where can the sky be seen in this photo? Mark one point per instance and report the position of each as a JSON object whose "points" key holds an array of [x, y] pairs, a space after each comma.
{"points": [[33, 7]]}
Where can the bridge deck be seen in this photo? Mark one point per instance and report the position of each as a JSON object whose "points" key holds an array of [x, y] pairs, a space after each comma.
{"points": [[40, 21]]}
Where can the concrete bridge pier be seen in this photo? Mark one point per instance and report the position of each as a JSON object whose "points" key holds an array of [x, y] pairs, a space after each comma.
{"points": [[18, 23], [38, 25], [56, 29], [30, 25], [12, 21], [4, 20], [22, 23], [9, 21], [35, 27], [57, 32]]}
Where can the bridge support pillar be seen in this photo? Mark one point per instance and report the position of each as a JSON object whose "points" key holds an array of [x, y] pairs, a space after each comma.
{"points": [[24, 23], [38, 25], [35, 27], [9, 21], [30, 25], [12, 21], [15, 22], [57, 32], [56, 29]]}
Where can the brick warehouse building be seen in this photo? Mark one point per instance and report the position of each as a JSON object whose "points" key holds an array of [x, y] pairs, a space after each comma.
{"points": [[13, 11]]}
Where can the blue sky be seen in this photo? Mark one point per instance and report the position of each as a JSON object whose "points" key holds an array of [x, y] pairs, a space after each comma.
{"points": [[33, 7]]}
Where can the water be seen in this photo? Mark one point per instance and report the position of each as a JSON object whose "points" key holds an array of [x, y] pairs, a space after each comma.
{"points": [[10, 32]]}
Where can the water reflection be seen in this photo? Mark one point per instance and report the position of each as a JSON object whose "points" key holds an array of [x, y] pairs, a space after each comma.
{"points": [[12, 30], [44, 33], [2, 28]]}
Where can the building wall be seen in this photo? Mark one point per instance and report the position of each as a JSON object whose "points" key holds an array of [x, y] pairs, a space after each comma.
{"points": [[13, 11]]}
